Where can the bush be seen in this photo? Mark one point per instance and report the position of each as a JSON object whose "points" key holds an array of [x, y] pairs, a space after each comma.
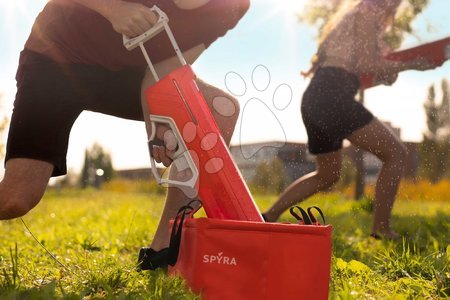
{"points": [[420, 190]]}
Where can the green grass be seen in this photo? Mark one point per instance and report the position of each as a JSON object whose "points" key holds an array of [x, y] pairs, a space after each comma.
{"points": [[95, 236]]}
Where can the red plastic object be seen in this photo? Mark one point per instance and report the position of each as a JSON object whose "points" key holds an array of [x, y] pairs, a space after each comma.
{"points": [[224, 259], [220, 185], [436, 52]]}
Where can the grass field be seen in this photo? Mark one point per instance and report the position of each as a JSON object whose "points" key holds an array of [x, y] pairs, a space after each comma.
{"points": [[95, 236]]}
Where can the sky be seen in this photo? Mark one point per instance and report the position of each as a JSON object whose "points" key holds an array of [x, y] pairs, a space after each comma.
{"points": [[259, 60]]}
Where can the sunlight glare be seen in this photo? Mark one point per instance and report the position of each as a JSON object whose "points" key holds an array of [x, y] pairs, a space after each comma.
{"points": [[10, 6], [289, 7], [10, 12], [287, 10]]}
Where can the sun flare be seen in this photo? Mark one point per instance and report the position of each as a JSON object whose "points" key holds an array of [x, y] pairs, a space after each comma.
{"points": [[289, 7], [10, 10], [8, 6]]}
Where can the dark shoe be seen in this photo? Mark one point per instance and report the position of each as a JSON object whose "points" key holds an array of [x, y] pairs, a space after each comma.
{"points": [[150, 259]]}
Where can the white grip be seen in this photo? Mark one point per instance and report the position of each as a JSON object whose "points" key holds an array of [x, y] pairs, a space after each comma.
{"points": [[162, 24], [183, 159], [131, 43]]}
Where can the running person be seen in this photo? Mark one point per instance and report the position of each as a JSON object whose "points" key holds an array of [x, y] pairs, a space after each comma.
{"points": [[350, 46]]}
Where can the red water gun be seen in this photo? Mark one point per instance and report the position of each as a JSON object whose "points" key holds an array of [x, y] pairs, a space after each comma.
{"points": [[436, 53], [202, 161]]}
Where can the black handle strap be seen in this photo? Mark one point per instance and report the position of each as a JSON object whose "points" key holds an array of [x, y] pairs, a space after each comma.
{"points": [[177, 230], [307, 217], [313, 218], [304, 218]]}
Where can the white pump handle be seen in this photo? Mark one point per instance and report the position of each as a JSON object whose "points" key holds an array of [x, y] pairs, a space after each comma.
{"points": [[162, 24], [184, 160]]}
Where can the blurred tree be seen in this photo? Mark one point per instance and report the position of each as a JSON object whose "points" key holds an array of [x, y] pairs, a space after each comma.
{"points": [[317, 13], [97, 167], [270, 177], [435, 148]]}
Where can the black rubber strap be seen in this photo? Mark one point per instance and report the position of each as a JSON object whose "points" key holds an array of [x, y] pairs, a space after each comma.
{"points": [[313, 218], [304, 218], [192, 207], [175, 236], [177, 230]]}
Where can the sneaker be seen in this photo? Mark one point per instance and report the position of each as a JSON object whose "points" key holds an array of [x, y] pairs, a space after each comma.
{"points": [[150, 259]]}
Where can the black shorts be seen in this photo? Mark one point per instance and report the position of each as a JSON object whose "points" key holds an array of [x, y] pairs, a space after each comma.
{"points": [[329, 109], [50, 97]]}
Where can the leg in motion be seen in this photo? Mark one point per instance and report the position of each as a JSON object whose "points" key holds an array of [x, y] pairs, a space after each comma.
{"points": [[326, 175], [380, 141]]}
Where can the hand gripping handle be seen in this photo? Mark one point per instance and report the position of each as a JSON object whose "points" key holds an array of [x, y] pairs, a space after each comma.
{"points": [[162, 24]]}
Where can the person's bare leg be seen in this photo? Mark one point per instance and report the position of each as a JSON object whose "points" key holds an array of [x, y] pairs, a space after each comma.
{"points": [[326, 175], [23, 186], [379, 140]]}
